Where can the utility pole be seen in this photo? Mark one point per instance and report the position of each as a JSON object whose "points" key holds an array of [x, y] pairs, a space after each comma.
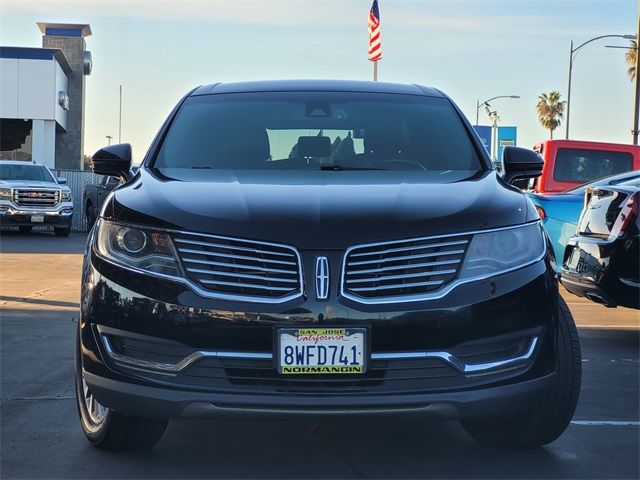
{"points": [[569, 91], [494, 135], [493, 116], [120, 118], [636, 109]]}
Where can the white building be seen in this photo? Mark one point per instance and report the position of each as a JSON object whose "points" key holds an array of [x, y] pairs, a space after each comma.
{"points": [[42, 97]]}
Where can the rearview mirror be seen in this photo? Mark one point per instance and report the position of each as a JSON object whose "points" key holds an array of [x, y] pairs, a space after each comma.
{"points": [[61, 180], [114, 161], [520, 163]]}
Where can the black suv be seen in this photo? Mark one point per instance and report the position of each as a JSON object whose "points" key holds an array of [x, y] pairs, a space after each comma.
{"points": [[321, 248]]}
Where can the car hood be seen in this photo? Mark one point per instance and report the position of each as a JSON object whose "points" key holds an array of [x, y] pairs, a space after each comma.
{"points": [[319, 209], [28, 184]]}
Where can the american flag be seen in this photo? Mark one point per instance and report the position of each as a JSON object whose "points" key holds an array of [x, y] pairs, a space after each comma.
{"points": [[375, 49]]}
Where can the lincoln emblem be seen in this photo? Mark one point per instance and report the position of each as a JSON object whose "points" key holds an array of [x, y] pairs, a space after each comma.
{"points": [[322, 278]]}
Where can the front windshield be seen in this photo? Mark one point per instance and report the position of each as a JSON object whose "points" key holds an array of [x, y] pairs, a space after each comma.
{"points": [[36, 173], [318, 131]]}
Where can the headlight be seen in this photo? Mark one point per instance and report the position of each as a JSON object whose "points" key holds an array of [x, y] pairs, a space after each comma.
{"points": [[494, 252], [5, 193], [140, 248], [65, 195]]}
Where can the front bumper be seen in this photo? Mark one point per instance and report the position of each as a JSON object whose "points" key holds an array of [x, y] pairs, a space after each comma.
{"points": [[144, 400], [24, 217], [481, 322]]}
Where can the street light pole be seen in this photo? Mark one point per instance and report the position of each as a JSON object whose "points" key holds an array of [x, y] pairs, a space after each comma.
{"points": [[572, 52], [569, 90], [486, 102], [109, 137]]}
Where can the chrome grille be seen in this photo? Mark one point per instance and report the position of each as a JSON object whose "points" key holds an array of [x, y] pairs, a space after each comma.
{"points": [[36, 197], [240, 269], [402, 268]]}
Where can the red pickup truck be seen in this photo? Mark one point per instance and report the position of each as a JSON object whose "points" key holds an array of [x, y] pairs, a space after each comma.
{"points": [[571, 163]]}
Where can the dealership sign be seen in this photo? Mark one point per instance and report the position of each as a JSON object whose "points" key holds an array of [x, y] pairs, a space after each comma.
{"points": [[506, 138], [484, 132]]}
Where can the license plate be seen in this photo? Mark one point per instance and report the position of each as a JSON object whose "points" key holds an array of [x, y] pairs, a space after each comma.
{"points": [[321, 351], [37, 218], [576, 263]]}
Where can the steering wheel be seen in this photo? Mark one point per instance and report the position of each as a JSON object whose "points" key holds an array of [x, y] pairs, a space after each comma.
{"points": [[400, 161]]}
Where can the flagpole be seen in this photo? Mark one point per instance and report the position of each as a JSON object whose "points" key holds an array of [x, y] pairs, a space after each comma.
{"points": [[373, 25]]}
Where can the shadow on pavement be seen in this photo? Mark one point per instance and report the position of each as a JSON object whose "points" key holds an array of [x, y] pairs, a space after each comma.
{"points": [[349, 448], [39, 415], [39, 301], [41, 242], [380, 447]]}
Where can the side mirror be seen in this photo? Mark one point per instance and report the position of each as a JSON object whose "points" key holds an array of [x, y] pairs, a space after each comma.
{"points": [[61, 180], [114, 161], [520, 163]]}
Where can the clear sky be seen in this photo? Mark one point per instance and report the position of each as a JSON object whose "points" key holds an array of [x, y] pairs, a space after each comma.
{"points": [[471, 49]]}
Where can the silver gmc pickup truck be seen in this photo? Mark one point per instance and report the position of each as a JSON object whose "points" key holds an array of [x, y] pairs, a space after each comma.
{"points": [[31, 196]]}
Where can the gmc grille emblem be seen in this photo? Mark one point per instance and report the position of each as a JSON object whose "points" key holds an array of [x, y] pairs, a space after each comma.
{"points": [[322, 278], [35, 194]]}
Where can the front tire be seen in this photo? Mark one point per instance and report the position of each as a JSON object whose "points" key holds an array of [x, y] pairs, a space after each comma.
{"points": [[25, 229], [62, 232], [109, 430], [547, 422]]}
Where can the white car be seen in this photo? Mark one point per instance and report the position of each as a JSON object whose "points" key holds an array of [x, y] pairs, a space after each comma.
{"points": [[31, 196]]}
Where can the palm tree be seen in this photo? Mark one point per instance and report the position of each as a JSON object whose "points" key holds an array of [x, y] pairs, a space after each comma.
{"points": [[630, 57], [550, 110]]}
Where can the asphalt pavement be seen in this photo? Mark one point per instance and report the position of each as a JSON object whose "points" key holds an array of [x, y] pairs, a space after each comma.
{"points": [[40, 435]]}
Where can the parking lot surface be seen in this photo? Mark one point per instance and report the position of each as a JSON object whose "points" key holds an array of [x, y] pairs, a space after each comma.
{"points": [[40, 436]]}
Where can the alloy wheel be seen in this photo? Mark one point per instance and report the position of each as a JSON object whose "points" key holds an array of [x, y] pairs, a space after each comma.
{"points": [[97, 412]]}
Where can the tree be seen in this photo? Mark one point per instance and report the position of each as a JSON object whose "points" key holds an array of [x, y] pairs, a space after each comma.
{"points": [[630, 58], [550, 111]]}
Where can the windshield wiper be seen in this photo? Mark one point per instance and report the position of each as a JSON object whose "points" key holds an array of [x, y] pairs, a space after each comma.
{"points": [[201, 167], [337, 166]]}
